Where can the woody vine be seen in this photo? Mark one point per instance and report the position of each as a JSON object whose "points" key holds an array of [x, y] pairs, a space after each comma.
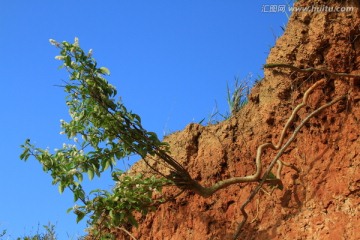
{"points": [[105, 131]]}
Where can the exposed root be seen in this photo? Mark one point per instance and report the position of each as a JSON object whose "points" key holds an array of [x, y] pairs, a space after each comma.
{"points": [[319, 70], [181, 178], [280, 166], [278, 155], [208, 191], [290, 120], [257, 211], [127, 232]]}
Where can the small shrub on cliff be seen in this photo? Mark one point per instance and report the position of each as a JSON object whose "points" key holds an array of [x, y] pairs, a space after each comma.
{"points": [[104, 131]]}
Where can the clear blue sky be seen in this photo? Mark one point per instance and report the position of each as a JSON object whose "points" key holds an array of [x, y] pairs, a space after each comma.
{"points": [[170, 61]]}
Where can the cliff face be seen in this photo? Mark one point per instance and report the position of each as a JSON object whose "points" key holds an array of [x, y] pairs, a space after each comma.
{"points": [[322, 200]]}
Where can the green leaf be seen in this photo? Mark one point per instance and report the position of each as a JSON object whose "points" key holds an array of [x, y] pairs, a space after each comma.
{"points": [[61, 188], [76, 196], [68, 61], [25, 155], [104, 70], [115, 218], [79, 177], [90, 173], [152, 136], [111, 104], [112, 215], [80, 216], [119, 155], [116, 174], [107, 165], [271, 176], [277, 183], [69, 210], [132, 220]]}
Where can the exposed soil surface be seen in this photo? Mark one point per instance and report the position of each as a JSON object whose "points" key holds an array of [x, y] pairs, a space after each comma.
{"points": [[322, 200]]}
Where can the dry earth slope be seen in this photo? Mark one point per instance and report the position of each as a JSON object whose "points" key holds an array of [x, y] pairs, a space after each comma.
{"points": [[319, 202]]}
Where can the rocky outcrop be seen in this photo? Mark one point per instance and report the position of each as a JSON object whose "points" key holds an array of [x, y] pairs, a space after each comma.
{"points": [[322, 200]]}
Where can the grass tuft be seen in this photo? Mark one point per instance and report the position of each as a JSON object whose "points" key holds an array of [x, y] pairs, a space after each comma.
{"points": [[239, 97]]}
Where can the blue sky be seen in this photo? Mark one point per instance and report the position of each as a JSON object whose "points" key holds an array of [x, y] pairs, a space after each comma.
{"points": [[170, 62]]}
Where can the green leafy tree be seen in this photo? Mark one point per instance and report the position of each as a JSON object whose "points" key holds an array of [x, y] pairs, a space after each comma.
{"points": [[104, 132]]}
